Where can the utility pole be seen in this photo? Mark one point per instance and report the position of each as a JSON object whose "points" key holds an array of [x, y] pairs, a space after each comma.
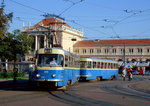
{"points": [[52, 34], [124, 53]]}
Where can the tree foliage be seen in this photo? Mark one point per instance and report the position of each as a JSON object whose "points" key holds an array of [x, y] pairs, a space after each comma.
{"points": [[4, 20], [14, 44]]}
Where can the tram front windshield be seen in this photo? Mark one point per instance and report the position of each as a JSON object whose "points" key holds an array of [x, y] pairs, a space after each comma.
{"points": [[50, 60], [85, 64]]}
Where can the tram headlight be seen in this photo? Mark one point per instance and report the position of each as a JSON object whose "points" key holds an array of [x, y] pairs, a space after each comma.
{"points": [[37, 75], [54, 75]]}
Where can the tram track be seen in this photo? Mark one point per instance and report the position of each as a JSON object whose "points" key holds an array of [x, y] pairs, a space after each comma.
{"points": [[121, 88], [127, 90], [103, 93], [71, 98]]}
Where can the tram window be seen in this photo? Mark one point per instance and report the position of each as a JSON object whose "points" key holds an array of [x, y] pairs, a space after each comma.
{"points": [[60, 60], [85, 64], [106, 65], [66, 61], [76, 62], [89, 64], [116, 66], [94, 64], [45, 59], [71, 61], [77, 65], [112, 65], [98, 65], [102, 65]]}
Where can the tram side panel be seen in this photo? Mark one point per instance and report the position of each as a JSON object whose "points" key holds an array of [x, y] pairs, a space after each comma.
{"points": [[92, 68]]}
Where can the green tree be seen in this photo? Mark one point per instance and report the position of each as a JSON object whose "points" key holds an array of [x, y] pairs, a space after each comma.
{"points": [[17, 43], [4, 25], [4, 20], [12, 44]]}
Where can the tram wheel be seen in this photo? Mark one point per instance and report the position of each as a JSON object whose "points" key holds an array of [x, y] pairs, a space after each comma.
{"points": [[98, 78], [68, 83]]}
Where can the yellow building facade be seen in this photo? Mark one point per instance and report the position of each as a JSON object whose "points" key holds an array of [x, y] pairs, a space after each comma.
{"points": [[130, 51], [52, 32]]}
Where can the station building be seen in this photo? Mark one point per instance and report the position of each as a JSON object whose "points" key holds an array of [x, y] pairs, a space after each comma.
{"points": [[55, 31], [135, 52]]}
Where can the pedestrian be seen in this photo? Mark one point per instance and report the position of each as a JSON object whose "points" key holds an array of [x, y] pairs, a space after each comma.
{"points": [[129, 74], [124, 72], [143, 72]]}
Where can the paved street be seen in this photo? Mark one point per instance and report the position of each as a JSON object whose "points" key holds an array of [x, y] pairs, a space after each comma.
{"points": [[103, 93]]}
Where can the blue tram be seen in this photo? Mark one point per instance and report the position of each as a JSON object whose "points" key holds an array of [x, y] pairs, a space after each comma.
{"points": [[56, 67], [92, 68]]}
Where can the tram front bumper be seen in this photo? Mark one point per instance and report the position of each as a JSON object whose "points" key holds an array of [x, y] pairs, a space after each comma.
{"points": [[50, 80]]}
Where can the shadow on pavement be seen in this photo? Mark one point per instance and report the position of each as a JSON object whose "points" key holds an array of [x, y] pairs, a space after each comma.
{"points": [[21, 85]]}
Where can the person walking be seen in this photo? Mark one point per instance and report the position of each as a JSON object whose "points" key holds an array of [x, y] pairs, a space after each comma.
{"points": [[124, 72], [143, 71], [129, 74]]}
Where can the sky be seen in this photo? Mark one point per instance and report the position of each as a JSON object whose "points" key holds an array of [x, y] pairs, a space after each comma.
{"points": [[98, 19]]}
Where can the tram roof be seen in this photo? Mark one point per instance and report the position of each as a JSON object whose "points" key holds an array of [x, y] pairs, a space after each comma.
{"points": [[58, 50], [98, 59]]}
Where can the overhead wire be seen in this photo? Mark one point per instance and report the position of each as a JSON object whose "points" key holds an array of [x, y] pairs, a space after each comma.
{"points": [[27, 6], [89, 28], [133, 14], [73, 3]]}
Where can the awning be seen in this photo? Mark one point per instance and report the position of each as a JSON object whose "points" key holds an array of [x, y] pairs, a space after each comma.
{"points": [[137, 64], [143, 64], [131, 64]]}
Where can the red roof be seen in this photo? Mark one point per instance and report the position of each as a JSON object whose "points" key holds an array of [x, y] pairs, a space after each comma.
{"points": [[50, 22], [92, 43]]}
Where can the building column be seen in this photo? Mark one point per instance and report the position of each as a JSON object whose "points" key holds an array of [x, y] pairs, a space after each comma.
{"points": [[36, 42], [45, 41]]}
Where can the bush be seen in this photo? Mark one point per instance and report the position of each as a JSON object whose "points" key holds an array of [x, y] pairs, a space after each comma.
{"points": [[10, 74], [20, 74]]}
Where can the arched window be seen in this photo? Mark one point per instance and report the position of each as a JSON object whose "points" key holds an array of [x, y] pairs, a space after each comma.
{"points": [[133, 60], [120, 60], [147, 59]]}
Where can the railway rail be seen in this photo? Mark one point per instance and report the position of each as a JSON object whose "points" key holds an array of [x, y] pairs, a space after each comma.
{"points": [[101, 93]]}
